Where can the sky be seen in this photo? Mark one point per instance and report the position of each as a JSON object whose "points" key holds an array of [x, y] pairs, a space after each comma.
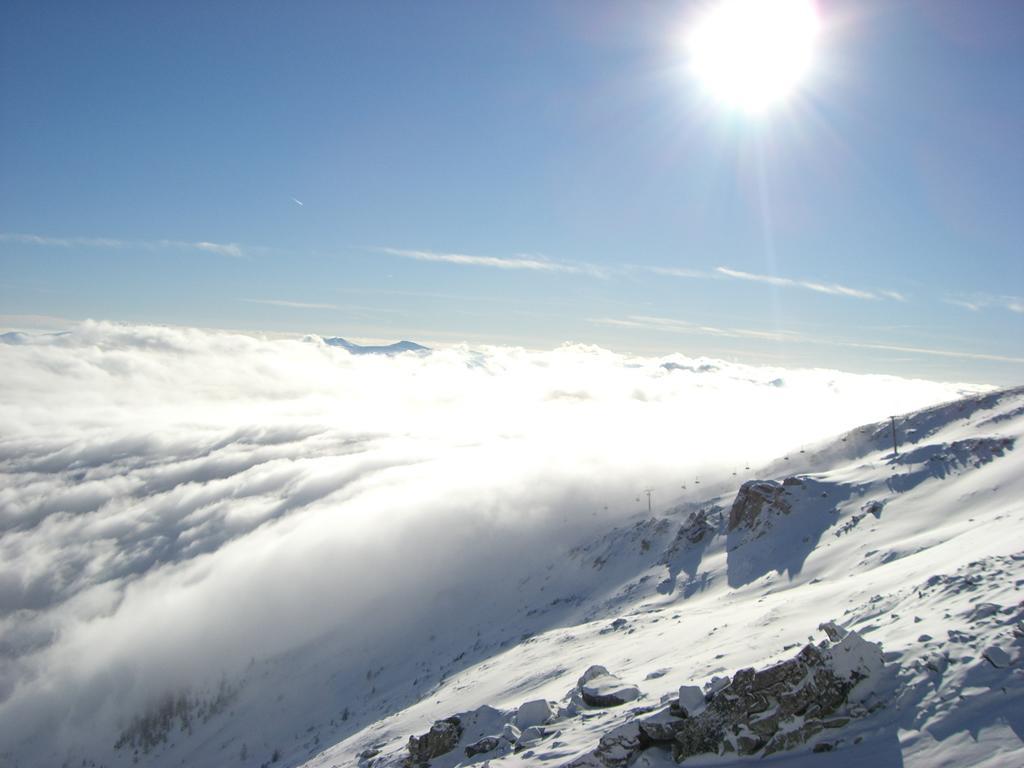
{"points": [[523, 173]]}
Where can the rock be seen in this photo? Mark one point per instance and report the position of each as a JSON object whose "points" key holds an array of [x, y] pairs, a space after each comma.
{"points": [[696, 736], [441, 739], [834, 632], [619, 746], [715, 684], [752, 498], [483, 746], [661, 728], [599, 688], [874, 507], [757, 711], [690, 534], [691, 700], [594, 670], [997, 657], [536, 712], [983, 611], [696, 527], [790, 481], [510, 733], [530, 737], [784, 705]]}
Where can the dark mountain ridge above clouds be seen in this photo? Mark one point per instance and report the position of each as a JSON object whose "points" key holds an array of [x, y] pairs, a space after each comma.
{"points": [[390, 349]]}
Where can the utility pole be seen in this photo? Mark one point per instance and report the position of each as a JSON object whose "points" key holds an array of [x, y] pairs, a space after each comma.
{"points": [[895, 448], [648, 491]]}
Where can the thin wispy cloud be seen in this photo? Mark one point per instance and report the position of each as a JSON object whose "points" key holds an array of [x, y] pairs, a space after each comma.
{"points": [[928, 351], [532, 263], [978, 302], [221, 249], [894, 295], [298, 202], [680, 272], [671, 325], [61, 242], [832, 289], [291, 304]]}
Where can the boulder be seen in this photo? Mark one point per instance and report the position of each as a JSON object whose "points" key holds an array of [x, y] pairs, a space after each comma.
{"points": [[599, 688], [691, 700], [536, 712], [615, 747], [441, 739], [997, 657], [483, 746]]}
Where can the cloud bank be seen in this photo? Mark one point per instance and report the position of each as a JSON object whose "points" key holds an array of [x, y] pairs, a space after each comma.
{"points": [[176, 502]]}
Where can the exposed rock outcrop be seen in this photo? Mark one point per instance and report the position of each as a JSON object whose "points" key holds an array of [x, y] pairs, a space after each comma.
{"points": [[441, 739], [483, 731], [753, 497], [696, 527], [618, 747], [774, 709]]}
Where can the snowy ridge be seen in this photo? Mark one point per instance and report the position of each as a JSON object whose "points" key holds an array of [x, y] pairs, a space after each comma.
{"points": [[919, 553]]}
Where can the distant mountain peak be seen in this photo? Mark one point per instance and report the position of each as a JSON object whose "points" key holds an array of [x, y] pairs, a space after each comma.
{"points": [[390, 349]]}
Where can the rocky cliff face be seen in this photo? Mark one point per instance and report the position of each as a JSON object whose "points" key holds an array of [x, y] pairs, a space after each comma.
{"points": [[753, 498]]}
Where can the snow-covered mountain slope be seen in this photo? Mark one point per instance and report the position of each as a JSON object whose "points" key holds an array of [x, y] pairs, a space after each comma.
{"points": [[921, 554]]}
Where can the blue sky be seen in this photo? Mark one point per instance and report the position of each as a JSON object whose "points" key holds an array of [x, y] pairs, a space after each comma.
{"points": [[526, 173]]}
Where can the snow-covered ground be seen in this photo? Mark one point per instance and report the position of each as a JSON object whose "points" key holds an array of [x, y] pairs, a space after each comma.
{"points": [[220, 550], [922, 553]]}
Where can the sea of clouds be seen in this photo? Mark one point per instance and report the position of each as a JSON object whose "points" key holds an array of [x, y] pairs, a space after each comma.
{"points": [[175, 502]]}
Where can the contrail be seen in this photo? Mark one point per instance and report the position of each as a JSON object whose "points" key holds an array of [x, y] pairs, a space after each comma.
{"points": [[298, 202]]}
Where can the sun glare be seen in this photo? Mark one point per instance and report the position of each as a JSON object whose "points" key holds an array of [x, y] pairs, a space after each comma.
{"points": [[752, 54]]}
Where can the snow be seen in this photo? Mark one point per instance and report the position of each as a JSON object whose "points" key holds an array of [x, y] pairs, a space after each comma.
{"points": [[913, 564]]}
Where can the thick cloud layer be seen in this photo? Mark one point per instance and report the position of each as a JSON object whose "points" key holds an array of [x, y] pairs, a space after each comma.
{"points": [[175, 502]]}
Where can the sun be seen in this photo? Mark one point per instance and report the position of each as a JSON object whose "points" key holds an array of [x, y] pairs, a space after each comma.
{"points": [[751, 55]]}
